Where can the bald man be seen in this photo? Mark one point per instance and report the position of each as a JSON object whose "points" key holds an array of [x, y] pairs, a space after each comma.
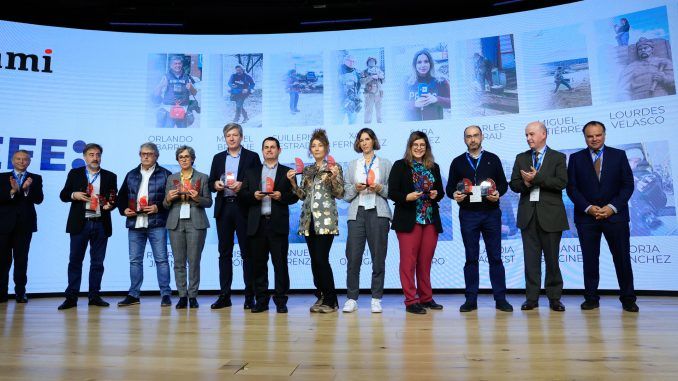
{"points": [[540, 175]]}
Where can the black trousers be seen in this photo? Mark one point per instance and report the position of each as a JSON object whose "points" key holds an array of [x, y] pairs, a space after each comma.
{"points": [[266, 241], [535, 241], [617, 236], [14, 245], [319, 249], [230, 221]]}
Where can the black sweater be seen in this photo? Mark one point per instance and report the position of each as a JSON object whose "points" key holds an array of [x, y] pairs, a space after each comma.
{"points": [[489, 167]]}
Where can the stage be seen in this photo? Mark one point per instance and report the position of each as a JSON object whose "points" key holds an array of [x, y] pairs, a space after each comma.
{"points": [[147, 342]]}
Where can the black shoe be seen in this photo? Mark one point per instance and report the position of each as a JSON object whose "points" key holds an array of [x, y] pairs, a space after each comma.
{"points": [[259, 308], [249, 303], [529, 305], [556, 305], [281, 309], [68, 303], [503, 305], [590, 305], [97, 301], [128, 301], [182, 303], [468, 307], [630, 307], [222, 302], [416, 308], [166, 301], [193, 303], [21, 298], [432, 305]]}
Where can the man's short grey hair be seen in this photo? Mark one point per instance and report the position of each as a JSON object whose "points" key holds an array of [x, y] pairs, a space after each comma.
{"points": [[473, 126], [541, 125], [150, 145], [232, 126], [183, 148]]}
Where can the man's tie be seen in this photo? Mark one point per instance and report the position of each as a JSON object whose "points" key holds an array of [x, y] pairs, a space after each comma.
{"points": [[597, 163], [536, 158]]}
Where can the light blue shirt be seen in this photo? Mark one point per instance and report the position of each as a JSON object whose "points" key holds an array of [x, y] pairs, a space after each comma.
{"points": [[232, 163]]}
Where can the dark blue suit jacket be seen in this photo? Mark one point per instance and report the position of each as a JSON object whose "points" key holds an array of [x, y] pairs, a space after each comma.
{"points": [[248, 159], [615, 186]]}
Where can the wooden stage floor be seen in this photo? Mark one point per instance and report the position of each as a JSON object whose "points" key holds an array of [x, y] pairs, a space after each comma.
{"points": [[147, 342]]}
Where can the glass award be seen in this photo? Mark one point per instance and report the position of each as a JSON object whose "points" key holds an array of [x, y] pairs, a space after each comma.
{"points": [[465, 186], [487, 187], [298, 166], [269, 186]]}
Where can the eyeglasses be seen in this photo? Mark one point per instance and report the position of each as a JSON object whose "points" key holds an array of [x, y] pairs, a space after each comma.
{"points": [[146, 153], [184, 157], [419, 145]]}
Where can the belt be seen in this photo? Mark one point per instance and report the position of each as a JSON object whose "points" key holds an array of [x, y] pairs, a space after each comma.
{"points": [[230, 199], [94, 219], [266, 216]]}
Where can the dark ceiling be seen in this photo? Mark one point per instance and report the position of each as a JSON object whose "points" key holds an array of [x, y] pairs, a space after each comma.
{"points": [[254, 16]]}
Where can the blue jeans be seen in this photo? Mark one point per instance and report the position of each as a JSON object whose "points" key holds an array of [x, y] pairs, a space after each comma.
{"points": [[137, 247], [294, 101]]}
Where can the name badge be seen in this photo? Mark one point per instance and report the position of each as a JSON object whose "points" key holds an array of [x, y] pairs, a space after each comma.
{"points": [[476, 196], [185, 211], [534, 194]]}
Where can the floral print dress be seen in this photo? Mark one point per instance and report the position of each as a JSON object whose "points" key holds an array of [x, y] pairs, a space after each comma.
{"points": [[319, 191]]}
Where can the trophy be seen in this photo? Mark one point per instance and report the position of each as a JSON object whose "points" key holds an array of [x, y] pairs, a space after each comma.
{"points": [[370, 178], [93, 203], [228, 179], [424, 185], [487, 187], [298, 165], [330, 163], [183, 187], [465, 186], [269, 186], [138, 208]]}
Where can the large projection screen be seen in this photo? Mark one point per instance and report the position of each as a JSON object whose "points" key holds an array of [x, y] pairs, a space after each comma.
{"points": [[60, 88]]}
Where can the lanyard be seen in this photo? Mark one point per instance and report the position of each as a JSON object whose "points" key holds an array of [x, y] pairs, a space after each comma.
{"points": [[368, 169], [541, 158], [94, 178], [475, 167], [19, 179]]}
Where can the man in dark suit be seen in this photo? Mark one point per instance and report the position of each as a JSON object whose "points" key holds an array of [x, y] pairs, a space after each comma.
{"points": [[600, 184], [230, 211], [19, 192], [268, 225], [91, 191], [540, 175]]}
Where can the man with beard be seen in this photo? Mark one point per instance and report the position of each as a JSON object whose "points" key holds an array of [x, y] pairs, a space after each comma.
{"points": [[479, 213]]}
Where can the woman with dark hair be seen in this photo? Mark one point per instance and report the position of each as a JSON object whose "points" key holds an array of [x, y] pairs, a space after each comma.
{"points": [[416, 187], [622, 32], [321, 183], [426, 93], [366, 189], [186, 196]]}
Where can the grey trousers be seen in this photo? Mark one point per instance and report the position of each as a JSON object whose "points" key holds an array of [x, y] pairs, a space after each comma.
{"points": [[536, 241], [367, 226], [187, 244]]}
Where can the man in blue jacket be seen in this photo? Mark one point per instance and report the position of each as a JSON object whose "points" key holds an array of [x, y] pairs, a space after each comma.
{"points": [[140, 200], [600, 184]]}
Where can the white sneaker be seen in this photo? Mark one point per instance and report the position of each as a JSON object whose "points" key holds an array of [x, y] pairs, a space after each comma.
{"points": [[376, 306], [350, 306]]}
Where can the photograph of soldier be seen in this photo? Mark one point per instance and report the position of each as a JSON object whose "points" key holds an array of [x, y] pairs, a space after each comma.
{"points": [[359, 81], [489, 81], [242, 88], [174, 84], [636, 65], [298, 99]]}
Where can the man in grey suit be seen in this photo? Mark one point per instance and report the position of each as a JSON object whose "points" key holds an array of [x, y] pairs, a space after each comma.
{"points": [[540, 175]]}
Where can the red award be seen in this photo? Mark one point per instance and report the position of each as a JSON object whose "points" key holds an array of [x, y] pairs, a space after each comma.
{"points": [[465, 186], [370, 178], [487, 187], [269, 186], [299, 165]]}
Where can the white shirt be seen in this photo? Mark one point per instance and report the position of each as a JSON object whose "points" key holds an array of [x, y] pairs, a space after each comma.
{"points": [[366, 199], [142, 219]]}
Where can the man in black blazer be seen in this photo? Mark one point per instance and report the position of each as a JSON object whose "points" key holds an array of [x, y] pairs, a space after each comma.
{"points": [[540, 175], [230, 212], [268, 225], [19, 192], [600, 184], [91, 191]]}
